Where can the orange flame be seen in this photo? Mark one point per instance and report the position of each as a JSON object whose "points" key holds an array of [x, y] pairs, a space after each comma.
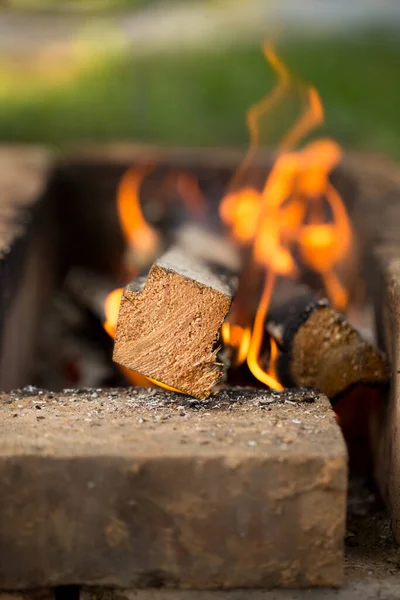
{"points": [[239, 338], [138, 234], [298, 208], [111, 308]]}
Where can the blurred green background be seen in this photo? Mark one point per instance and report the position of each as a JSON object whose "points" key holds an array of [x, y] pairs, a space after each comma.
{"points": [[94, 84]]}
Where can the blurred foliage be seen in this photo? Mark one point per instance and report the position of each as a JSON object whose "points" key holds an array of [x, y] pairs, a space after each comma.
{"points": [[200, 97], [75, 5]]}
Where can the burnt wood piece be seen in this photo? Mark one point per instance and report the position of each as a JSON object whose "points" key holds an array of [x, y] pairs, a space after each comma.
{"points": [[320, 348], [28, 258], [168, 329], [149, 488]]}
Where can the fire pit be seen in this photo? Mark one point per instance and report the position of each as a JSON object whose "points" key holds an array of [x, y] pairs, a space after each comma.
{"points": [[239, 459]]}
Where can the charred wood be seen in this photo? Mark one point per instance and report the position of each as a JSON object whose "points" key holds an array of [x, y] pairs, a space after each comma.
{"points": [[320, 348]]}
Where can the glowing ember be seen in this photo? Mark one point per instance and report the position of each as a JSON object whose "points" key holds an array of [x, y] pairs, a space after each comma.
{"points": [[298, 209]]}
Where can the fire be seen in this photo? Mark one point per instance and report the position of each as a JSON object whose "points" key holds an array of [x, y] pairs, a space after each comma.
{"points": [[297, 210], [111, 308], [239, 338], [138, 234], [296, 221]]}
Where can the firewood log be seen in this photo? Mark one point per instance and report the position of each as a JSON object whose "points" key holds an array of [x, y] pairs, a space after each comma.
{"points": [[168, 328], [320, 348]]}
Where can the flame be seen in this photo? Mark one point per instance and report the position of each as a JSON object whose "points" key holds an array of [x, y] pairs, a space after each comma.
{"points": [[253, 355], [256, 112], [111, 308], [297, 209], [138, 234], [239, 338]]}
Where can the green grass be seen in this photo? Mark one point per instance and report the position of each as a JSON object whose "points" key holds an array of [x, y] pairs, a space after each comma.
{"points": [[76, 5], [200, 98]]}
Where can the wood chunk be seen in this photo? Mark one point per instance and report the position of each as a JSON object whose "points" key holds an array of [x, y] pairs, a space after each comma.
{"points": [[169, 329], [148, 488], [321, 349]]}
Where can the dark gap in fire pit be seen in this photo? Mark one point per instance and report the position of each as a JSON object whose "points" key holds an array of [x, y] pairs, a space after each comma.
{"points": [[67, 592]]}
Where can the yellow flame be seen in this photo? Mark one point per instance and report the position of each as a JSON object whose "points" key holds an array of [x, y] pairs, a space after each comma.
{"points": [[238, 338], [298, 208], [253, 355], [138, 234]]}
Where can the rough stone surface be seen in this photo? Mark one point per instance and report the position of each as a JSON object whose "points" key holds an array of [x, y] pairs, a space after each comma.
{"points": [[363, 590], [147, 488], [386, 425], [27, 258], [24, 174], [43, 594]]}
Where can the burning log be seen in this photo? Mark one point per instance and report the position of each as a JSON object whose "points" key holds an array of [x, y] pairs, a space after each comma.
{"points": [[169, 324], [320, 348]]}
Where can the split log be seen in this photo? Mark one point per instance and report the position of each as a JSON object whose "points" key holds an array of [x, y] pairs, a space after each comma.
{"points": [[320, 348], [168, 328]]}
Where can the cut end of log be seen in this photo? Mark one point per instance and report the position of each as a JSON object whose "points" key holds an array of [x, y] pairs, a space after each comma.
{"points": [[169, 329], [343, 359]]}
